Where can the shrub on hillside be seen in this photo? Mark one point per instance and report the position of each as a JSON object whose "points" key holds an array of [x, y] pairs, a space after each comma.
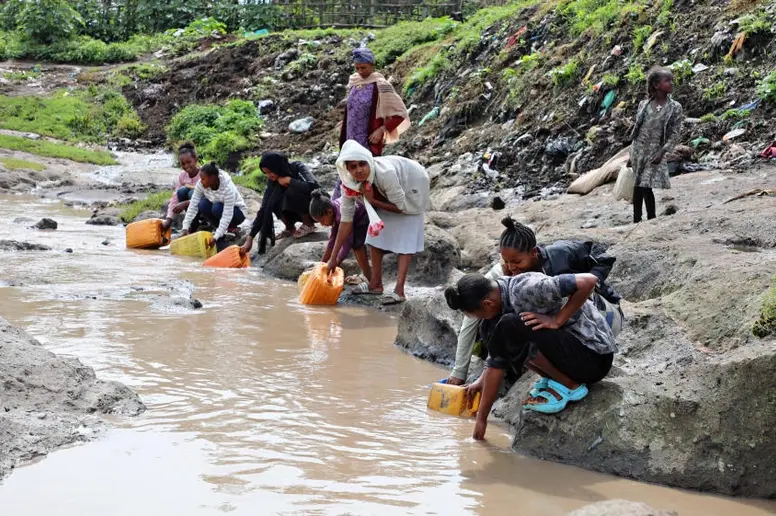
{"points": [[48, 21]]}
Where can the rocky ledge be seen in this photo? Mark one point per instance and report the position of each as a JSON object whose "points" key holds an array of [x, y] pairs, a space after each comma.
{"points": [[48, 401]]}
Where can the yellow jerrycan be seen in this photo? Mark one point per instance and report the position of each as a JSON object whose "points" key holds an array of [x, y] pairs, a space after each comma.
{"points": [[452, 400], [147, 234], [194, 245]]}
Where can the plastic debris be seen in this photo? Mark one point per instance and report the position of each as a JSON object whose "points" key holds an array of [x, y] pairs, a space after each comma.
{"points": [[260, 32], [769, 152], [514, 38], [749, 107], [697, 142], [617, 51], [652, 40], [737, 45], [301, 125], [735, 133], [700, 67], [589, 74], [265, 106], [434, 113], [608, 101]]}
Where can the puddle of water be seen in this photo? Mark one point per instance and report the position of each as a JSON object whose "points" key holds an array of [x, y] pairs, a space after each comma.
{"points": [[257, 405]]}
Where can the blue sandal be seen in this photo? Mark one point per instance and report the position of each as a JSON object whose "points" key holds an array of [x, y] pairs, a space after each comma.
{"points": [[554, 405], [538, 387]]}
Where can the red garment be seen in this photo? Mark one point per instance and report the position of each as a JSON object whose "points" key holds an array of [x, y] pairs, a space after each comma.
{"points": [[374, 123]]}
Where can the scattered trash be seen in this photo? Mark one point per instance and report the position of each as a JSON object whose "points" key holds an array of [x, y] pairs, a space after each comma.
{"points": [[749, 107], [598, 441], [652, 40], [769, 152], [589, 74], [738, 44], [735, 133], [524, 139], [623, 187], [514, 38], [560, 147], [617, 51], [265, 106], [700, 67], [301, 125], [608, 101], [756, 192], [260, 32], [431, 115], [597, 87]]}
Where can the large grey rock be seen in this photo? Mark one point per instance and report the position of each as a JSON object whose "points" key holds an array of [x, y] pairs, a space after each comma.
{"points": [[428, 328], [15, 245], [294, 259], [46, 223], [104, 220], [620, 508], [48, 401], [433, 266]]}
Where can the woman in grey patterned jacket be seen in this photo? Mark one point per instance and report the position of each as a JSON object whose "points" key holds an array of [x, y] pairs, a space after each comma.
{"points": [[527, 324]]}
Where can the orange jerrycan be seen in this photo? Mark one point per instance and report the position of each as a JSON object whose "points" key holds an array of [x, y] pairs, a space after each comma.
{"points": [[193, 245], [302, 280], [229, 258], [452, 400], [147, 234], [322, 289]]}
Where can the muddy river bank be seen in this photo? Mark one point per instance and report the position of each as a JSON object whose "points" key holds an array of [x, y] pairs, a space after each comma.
{"points": [[255, 403]]}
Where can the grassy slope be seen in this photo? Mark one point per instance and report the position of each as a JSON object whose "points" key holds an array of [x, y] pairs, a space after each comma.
{"points": [[56, 150]]}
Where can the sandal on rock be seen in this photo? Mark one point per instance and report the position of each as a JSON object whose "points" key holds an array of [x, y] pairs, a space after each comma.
{"points": [[539, 386], [554, 405], [283, 234], [356, 279], [362, 289], [304, 231], [392, 299]]}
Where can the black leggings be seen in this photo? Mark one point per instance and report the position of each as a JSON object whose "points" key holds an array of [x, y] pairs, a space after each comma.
{"points": [[511, 343], [643, 194]]}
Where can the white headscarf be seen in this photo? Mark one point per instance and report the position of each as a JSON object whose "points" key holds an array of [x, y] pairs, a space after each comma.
{"points": [[353, 151]]}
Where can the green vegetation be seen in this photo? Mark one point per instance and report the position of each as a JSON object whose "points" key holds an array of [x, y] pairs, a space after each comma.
{"points": [[22, 75], [251, 175], [664, 17], [21, 164], [469, 34], [597, 15], [87, 115], [715, 91], [611, 79], [153, 202], [640, 36], [766, 87], [708, 117], [421, 76], [396, 40], [531, 61], [682, 70], [56, 150], [563, 76], [759, 22], [635, 75], [217, 131], [766, 324], [127, 74], [736, 114]]}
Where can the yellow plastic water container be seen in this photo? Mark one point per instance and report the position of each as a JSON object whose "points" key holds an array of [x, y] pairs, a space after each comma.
{"points": [[452, 400], [147, 234], [321, 288], [229, 258], [194, 245]]}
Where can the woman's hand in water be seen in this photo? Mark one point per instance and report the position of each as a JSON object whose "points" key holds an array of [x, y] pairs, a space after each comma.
{"points": [[540, 321], [284, 181], [480, 426], [658, 158], [246, 247], [377, 136], [452, 380]]}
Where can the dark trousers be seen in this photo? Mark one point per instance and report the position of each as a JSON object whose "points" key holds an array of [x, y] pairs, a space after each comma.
{"points": [[184, 194], [211, 213], [511, 343], [645, 195]]}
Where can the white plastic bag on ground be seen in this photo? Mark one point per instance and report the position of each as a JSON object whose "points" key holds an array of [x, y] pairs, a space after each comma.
{"points": [[626, 180]]}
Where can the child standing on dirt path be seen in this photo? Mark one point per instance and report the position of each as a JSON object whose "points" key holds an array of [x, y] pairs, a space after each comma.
{"points": [[656, 132], [185, 183], [218, 202], [327, 212]]}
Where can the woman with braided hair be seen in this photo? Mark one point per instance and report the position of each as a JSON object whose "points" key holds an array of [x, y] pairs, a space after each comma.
{"points": [[656, 132], [519, 254]]}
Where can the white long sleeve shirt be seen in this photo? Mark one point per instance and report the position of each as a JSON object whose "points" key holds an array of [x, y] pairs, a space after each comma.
{"points": [[227, 194]]}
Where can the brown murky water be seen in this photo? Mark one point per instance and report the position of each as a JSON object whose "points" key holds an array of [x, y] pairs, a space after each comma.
{"points": [[257, 405]]}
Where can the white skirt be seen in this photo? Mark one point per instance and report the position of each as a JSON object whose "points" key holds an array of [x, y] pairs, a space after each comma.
{"points": [[402, 234]]}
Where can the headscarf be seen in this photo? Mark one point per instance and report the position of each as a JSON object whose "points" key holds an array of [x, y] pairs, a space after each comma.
{"points": [[277, 162], [363, 55], [353, 151]]}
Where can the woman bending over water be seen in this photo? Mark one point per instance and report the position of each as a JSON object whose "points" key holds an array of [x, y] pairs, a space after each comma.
{"points": [[526, 324]]}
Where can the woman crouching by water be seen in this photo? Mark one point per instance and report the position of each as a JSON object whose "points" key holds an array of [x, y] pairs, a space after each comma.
{"points": [[395, 191], [526, 324]]}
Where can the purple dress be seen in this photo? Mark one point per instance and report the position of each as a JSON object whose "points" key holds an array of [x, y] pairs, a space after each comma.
{"points": [[357, 237], [357, 124]]}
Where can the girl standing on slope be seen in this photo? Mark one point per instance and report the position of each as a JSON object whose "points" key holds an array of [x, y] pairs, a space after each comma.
{"points": [[656, 132], [375, 114]]}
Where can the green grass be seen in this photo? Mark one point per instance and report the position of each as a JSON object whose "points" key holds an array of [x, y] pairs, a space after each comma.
{"points": [[21, 164], [635, 75], [563, 76], [715, 91], [252, 177], [611, 79], [423, 75], [640, 37], [766, 87], [56, 150], [21, 75], [153, 202], [80, 115], [766, 324], [469, 34], [394, 41], [598, 16]]}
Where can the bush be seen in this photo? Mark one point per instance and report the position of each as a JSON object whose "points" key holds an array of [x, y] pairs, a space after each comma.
{"points": [[635, 75], [766, 88], [217, 131], [129, 126], [682, 70], [250, 175], [563, 76], [766, 324], [9, 14], [48, 21]]}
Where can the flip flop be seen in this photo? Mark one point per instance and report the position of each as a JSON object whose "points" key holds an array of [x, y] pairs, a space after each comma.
{"points": [[283, 234], [362, 289], [538, 387], [304, 231], [355, 279], [554, 405], [392, 299]]}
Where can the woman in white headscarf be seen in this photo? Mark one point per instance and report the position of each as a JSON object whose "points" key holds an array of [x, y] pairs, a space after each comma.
{"points": [[395, 191]]}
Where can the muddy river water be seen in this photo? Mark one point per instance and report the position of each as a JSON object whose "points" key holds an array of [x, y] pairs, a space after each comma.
{"points": [[257, 405]]}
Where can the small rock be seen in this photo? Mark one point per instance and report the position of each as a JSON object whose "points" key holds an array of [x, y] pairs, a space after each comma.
{"points": [[196, 304], [46, 224], [671, 209], [106, 242], [265, 106], [498, 203], [69, 250], [731, 72], [104, 220], [301, 125]]}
